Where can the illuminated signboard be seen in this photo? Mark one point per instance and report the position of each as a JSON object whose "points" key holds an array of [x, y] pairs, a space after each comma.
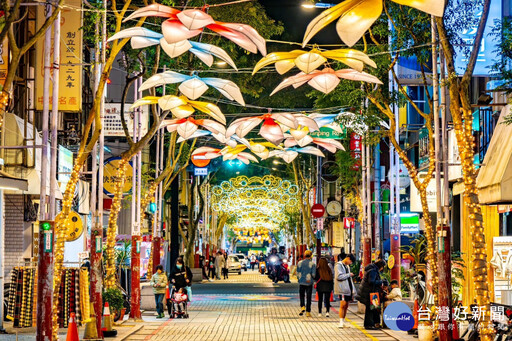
{"points": [[487, 52]]}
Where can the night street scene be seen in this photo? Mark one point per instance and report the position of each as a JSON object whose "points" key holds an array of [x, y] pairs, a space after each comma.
{"points": [[256, 170]]}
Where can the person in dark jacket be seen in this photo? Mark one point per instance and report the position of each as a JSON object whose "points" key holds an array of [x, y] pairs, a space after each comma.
{"points": [[180, 276], [324, 285], [371, 283]]}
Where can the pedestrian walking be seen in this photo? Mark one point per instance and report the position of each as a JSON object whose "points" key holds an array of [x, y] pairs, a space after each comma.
{"points": [[159, 284], [344, 285], [324, 286], [371, 283], [211, 267], [253, 261], [219, 264], [181, 275], [306, 271]]}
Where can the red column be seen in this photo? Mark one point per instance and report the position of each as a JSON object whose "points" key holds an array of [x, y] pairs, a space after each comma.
{"points": [[395, 252], [445, 280], [367, 252], [207, 251], [135, 267], [156, 253], [97, 275], [45, 281]]}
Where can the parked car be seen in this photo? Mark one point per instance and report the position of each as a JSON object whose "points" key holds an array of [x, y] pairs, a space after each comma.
{"points": [[234, 264], [243, 260]]}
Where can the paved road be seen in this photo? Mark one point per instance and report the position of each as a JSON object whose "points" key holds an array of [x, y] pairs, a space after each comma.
{"points": [[250, 307]]}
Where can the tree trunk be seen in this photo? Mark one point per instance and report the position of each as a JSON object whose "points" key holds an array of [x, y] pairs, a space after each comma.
{"points": [[110, 277]]}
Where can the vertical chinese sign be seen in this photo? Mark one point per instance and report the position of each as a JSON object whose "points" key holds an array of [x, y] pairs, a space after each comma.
{"points": [[70, 77], [4, 62]]}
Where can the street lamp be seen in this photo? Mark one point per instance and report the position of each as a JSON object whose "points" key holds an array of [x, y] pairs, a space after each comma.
{"points": [[310, 5]]}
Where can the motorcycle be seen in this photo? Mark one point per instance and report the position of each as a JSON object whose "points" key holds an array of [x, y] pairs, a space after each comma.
{"points": [[280, 272], [263, 267]]}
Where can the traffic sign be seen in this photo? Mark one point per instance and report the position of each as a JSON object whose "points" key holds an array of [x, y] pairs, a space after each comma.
{"points": [[334, 208], [200, 161], [318, 210], [200, 171]]}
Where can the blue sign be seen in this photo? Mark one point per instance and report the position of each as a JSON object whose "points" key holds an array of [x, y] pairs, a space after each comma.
{"points": [[200, 171], [486, 55]]}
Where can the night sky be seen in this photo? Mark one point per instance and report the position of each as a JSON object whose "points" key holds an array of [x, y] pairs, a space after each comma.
{"points": [[296, 18]]}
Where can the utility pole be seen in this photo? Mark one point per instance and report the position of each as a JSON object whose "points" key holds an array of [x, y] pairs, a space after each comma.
{"points": [[443, 228], [319, 201], [135, 251], [46, 235], [367, 241], [96, 251], [54, 117]]}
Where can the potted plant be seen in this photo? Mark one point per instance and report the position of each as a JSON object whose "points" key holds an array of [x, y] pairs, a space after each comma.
{"points": [[115, 300]]}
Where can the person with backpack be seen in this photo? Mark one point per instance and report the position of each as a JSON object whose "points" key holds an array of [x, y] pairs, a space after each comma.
{"points": [[306, 271], [372, 285], [343, 285]]}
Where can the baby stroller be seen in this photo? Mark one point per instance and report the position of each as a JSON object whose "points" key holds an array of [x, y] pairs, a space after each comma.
{"points": [[177, 309]]}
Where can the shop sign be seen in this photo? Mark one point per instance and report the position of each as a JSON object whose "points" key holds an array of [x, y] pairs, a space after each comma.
{"points": [[112, 125], [431, 195], [454, 162], [70, 76], [48, 241], [111, 175], [349, 223], [328, 133], [99, 242], [320, 224], [338, 234], [4, 61], [487, 53], [424, 153], [409, 223], [65, 166]]}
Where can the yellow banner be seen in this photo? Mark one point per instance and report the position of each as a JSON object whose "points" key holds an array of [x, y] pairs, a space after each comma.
{"points": [[4, 61], [70, 77]]}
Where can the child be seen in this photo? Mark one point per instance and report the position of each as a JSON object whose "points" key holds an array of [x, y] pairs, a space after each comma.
{"points": [[159, 284], [394, 295], [180, 299]]}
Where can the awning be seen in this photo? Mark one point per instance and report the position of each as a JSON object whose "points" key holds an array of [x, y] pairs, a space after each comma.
{"points": [[14, 126], [494, 180], [8, 183]]}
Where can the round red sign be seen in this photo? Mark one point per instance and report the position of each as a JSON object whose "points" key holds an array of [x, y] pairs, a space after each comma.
{"points": [[199, 162], [318, 210]]}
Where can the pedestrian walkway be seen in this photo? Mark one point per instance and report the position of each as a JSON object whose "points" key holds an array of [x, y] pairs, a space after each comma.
{"points": [[252, 318], [248, 276]]}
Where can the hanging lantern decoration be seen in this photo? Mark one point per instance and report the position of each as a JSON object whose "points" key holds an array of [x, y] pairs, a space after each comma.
{"points": [[183, 25], [357, 16], [182, 107], [270, 129], [227, 153], [188, 126], [289, 154], [194, 86], [141, 37], [308, 61], [326, 80]]}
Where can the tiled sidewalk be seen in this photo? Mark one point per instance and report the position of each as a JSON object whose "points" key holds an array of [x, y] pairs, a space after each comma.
{"points": [[252, 317]]}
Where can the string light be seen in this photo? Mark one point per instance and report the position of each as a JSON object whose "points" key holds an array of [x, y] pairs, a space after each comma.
{"points": [[110, 277], [61, 226]]}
